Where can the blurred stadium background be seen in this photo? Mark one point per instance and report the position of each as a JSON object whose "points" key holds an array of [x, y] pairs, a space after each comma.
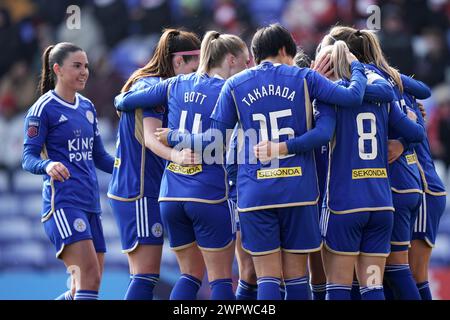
{"points": [[119, 36]]}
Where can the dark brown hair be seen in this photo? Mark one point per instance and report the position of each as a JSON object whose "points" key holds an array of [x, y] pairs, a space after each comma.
{"points": [[160, 65], [54, 54]]}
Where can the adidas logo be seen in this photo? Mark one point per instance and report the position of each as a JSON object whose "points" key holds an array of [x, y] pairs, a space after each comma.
{"points": [[62, 119]]}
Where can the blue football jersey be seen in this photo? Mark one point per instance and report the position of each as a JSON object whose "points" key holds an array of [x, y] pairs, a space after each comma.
{"points": [[137, 170], [357, 167], [231, 161], [190, 100], [66, 134], [431, 182], [321, 157], [404, 173], [273, 102]]}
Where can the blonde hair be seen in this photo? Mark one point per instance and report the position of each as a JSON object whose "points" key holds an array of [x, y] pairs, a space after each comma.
{"points": [[338, 52], [364, 44], [215, 47]]}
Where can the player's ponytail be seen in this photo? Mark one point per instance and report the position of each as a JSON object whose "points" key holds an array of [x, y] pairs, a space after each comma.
{"points": [[172, 42], [54, 54], [47, 82], [341, 67], [365, 45], [215, 47], [374, 54]]}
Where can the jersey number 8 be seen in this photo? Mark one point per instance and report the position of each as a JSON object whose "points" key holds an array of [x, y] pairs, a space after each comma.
{"points": [[367, 136]]}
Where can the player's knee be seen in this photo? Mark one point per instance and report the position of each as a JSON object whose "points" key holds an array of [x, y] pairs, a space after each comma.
{"points": [[397, 257], [90, 277], [248, 273]]}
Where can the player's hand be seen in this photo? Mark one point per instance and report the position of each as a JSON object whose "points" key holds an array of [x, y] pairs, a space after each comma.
{"points": [[161, 134], [266, 150], [411, 115], [185, 157], [323, 66], [350, 56], [395, 150], [57, 171], [422, 110]]}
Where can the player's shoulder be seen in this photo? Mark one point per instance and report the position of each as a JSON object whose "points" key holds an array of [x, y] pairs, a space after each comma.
{"points": [[38, 107], [84, 102], [145, 82], [268, 71]]}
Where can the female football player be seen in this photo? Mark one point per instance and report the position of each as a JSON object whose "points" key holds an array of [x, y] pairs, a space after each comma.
{"points": [[404, 172], [62, 143], [138, 168], [193, 199]]}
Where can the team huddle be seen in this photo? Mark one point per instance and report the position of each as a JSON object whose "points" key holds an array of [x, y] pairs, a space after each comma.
{"points": [[317, 176]]}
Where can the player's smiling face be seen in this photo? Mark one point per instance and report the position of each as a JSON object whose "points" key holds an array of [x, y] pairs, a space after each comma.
{"points": [[74, 71]]}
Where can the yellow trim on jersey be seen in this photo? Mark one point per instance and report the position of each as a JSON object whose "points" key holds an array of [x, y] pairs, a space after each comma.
{"points": [[374, 254], [261, 253], [411, 158], [406, 190], [279, 173], [362, 210], [139, 135], [183, 246], [342, 253], [303, 251], [117, 162], [44, 155], [436, 194], [225, 198], [217, 249], [369, 173], [425, 183], [308, 106], [184, 170], [400, 243], [132, 248], [277, 206], [194, 199]]}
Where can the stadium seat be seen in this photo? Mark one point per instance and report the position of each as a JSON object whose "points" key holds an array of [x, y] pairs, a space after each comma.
{"points": [[23, 255], [15, 229], [9, 205], [26, 182], [3, 182]]}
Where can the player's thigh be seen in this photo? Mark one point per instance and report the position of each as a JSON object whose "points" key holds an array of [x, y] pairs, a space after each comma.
{"points": [[268, 265], [190, 261], [145, 259], [370, 270], [419, 259], [219, 262], [245, 262], [339, 268]]}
